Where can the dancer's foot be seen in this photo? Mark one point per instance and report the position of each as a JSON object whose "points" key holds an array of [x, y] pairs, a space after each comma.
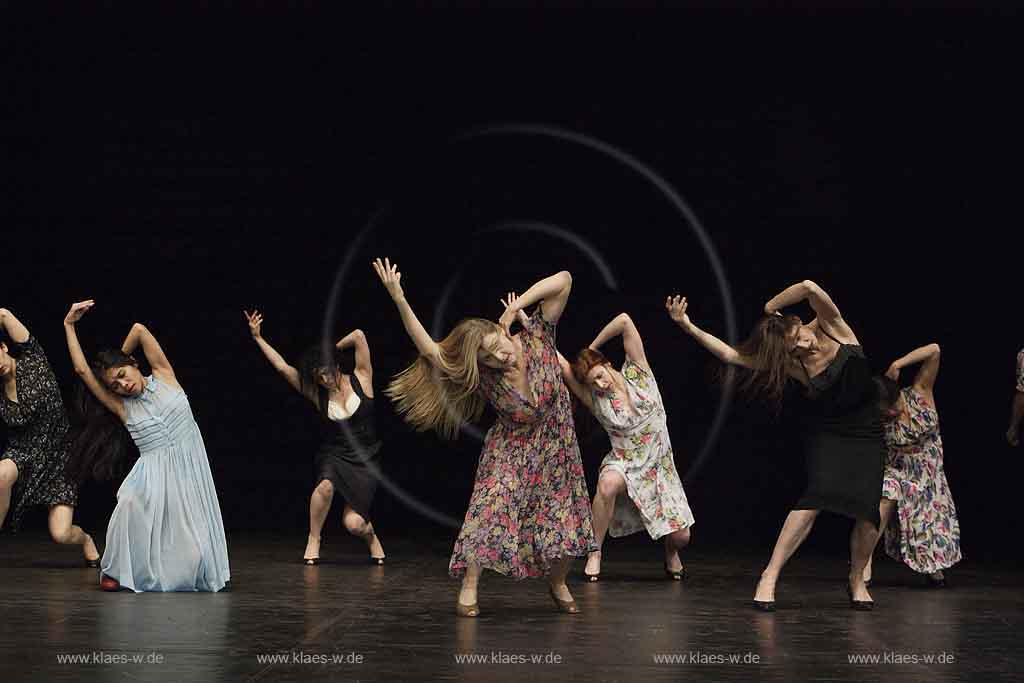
{"points": [[376, 549], [858, 592], [674, 566], [312, 554], [937, 579], [563, 598], [108, 584], [92, 556], [593, 569], [765, 588], [467, 603]]}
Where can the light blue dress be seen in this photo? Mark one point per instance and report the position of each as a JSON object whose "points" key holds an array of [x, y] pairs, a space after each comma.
{"points": [[166, 533]]}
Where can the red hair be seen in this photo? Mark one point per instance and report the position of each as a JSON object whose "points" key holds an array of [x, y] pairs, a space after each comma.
{"points": [[586, 360]]}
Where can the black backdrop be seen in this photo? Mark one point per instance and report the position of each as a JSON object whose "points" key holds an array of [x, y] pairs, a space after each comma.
{"points": [[178, 169]]}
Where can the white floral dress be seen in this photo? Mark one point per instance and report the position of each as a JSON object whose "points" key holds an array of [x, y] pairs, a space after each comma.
{"points": [[642, 454], [925, 532]]}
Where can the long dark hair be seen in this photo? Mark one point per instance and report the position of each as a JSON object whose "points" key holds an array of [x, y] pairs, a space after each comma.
{"points": [[888, 391], [100, 446], [765, 349], [321, 361]]}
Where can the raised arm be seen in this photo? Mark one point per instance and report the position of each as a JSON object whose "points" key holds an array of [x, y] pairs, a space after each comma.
{"points": [[928, 357], [578, 390], [622, 325], [290, 374], [552, 293], [81, 365], [17, 332], [676, 307], [821, 303], [357, 340], [391, 277], [140, 335]]}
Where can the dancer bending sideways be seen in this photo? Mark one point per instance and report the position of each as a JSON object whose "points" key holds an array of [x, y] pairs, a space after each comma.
{"points": [[347, 461], [843, 444], [529, 513], [166, 532], [32, 466], [638, 487], [924, 533]]}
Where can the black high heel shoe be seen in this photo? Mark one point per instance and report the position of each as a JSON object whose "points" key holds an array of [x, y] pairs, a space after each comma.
{"points": [[379, 561], [861, 605], [764, 605], [92, 564], [936, 583], [311, 561]]}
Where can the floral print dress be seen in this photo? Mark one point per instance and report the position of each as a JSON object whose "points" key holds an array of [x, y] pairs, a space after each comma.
{"points": [[529, 505], [37, 427], [925, 532], [642, 454]]}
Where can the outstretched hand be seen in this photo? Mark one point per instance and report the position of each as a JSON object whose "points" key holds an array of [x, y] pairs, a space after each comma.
{"points": [[389, 275], [77, 311], [255, 322], [676, 307]]}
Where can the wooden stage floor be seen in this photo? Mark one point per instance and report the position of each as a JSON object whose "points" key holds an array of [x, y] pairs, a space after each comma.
{"points": [[348, 620]]}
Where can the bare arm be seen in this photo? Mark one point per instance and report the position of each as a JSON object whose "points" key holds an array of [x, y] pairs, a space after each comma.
{"points": [[15, 330], [928, 357], [140, 335], [389, 275], [82, 369], [290, 374], [676, 307], [552, 292], [363, 369], [623, 325], [819, 300], [578, 390]]}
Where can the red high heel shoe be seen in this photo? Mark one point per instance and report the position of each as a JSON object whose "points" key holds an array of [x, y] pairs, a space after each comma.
{"points": [[110, 585]]}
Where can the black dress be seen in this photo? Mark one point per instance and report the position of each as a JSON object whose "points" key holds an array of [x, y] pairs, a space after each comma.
{"points": [[37, 427], [844, 445], [349, 454]]}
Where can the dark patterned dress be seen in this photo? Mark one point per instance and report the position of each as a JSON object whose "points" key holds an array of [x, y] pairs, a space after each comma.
{"points": [[37, 427], [530, 505], [925, 532]]}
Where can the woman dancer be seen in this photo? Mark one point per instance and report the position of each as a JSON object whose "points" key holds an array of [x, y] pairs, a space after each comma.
{"points": [[529, 512], [628, 405], [347, 459], [166, 532], [843, 447], [37, 425], [924, 533]]}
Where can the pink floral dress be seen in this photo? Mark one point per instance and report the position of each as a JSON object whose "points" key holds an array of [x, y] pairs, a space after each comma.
{"points": [[529, 505], [1020, 371], [642, 454], [925, 532]]}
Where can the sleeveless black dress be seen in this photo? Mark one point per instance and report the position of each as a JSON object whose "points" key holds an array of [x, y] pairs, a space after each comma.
{"points": [[349, 454], [843, 440]]}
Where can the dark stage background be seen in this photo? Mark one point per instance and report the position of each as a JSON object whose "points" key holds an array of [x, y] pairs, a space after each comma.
{"points": [[178, 171]]}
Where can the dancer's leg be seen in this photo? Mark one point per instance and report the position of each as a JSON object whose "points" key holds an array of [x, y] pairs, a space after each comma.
{"points": [[609, 486], [62, 530], [885, 510], [674, 542], [862, 541], [357, 525], [8, 477], [795, 529], [319, 506]]}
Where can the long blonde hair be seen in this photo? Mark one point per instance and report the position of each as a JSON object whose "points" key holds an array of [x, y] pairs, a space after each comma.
{"points": [[445, 396]]}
